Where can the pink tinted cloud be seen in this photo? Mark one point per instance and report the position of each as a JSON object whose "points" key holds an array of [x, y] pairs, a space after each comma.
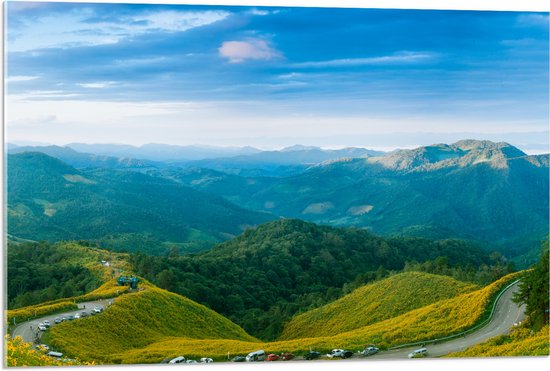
{"points": [[240, 51]]}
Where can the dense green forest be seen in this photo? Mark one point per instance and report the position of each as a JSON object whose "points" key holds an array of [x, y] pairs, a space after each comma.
{"points": [[265, 276], [39, 272], [534, 291]]}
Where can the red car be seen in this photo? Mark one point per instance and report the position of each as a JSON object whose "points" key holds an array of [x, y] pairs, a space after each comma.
{"points": [[272, 357], [287, 356]]}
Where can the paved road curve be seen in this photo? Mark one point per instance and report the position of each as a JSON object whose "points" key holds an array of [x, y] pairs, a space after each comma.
{"points": [[29, 330], [506, 314]]}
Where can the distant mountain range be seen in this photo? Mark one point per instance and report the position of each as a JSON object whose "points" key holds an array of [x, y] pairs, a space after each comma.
{"points": [[479, 190], [247, 161], [124, 210], [162, 152]]}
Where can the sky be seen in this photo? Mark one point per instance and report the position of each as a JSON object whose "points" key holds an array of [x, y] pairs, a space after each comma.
{"points": [[274, 76]]}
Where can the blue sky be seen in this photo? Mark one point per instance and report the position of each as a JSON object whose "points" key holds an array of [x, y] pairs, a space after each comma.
{"points": [[272, 77]]}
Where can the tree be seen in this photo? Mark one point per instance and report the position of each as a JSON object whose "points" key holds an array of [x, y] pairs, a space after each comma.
{"points": [[534, 292]]}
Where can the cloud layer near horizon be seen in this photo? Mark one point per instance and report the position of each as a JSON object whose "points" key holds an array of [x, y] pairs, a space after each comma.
{"points": [[190, 74]]}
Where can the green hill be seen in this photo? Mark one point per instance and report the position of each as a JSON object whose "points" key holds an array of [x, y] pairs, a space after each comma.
{"points": [[138, 319], [265, 276], [373, 303], [123, 210]]}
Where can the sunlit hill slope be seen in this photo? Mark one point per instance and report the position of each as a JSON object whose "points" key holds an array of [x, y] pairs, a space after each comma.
{"points": [[375, 302]]}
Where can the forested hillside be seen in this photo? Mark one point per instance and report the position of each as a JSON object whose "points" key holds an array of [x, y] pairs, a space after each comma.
{"points": [[263, 277], [122, 210]]}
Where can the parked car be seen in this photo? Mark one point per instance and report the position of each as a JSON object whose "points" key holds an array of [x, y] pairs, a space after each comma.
{"points": [[340, 353], [191, 361], [419, 353], [256, 356], [312, 355], [368, 351], [206, 360], [55, 354], [63, 319], [180, 359], [47, 323], [272, 357], [83, 314], [77, 316], [287, 356], [238, 359], [97, 310], [41, 327], [71, 317], [58, 320]]}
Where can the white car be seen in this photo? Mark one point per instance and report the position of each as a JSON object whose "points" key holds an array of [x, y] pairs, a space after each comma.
{"points": [[340, 353], [47, 323], [97, 310], [180, 359], [257, 356], [41, 327], [77, 316], [419, 353], [206, 360], [190, 361]]}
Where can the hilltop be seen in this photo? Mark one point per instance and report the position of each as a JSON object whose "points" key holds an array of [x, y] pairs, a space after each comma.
{"points": [[137, 319], [266, 275], [375, 302], [123, 210]]}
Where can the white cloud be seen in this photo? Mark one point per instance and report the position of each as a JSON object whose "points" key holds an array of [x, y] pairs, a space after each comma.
{"points": [[98, 85], [74, 29], [255, 49], [398, 58], [21, 78]]}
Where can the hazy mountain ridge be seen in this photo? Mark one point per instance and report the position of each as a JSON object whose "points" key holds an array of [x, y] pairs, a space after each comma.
{"points": [[50, 200], [163, 152], [88, 160], [471, 189]]}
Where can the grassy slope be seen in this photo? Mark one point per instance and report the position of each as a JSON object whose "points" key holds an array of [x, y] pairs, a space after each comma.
{"points": [[433, 321], [373, 303], [21, 354], [521, 342], [135, 320]]}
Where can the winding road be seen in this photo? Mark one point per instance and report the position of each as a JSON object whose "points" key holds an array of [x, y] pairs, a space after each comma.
{"points": [[506, 314], [29, 332]]}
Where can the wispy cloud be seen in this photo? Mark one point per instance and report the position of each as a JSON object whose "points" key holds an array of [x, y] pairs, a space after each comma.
{"points": [[240, 51], [398, 58], [98, 85], [21, 78], [262, 12], [84, 28]]}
